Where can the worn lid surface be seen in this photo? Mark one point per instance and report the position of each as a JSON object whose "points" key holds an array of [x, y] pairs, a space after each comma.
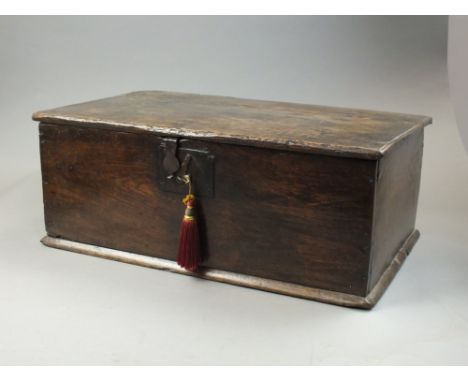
{"points": [[287, 126]]}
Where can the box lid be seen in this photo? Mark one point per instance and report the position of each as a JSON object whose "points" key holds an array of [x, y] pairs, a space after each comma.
{"points": [[288, 126]]}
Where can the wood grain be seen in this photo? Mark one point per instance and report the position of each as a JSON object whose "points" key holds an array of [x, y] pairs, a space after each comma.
{"points": [[396, 199], [286, 126], [287, 216]]}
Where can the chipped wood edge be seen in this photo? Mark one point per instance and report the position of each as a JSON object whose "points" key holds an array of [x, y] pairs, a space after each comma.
{"points": [[54, 116], [295, 290], [282, 144], [179, 132]]}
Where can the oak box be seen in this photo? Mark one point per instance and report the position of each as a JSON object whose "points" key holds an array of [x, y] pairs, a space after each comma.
{"points": [[308, 201]]}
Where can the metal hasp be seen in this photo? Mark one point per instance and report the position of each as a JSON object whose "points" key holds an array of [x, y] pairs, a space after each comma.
{"points": [[170, 164], [176, 160]]}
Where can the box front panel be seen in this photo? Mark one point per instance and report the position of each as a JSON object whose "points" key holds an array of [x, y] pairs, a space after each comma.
{"points": [[281, 215]]}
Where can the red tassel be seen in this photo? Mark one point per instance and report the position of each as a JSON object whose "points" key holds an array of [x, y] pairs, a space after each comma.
{"points": [[189, 242]]}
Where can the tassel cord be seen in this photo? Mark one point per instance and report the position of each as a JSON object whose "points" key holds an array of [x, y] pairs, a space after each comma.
{"points": [[189, 242]]}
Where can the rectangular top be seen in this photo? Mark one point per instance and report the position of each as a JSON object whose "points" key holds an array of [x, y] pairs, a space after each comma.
{"points": [[281, 125]]}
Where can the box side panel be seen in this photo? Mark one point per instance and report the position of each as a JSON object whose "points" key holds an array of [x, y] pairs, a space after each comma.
{"points": [[285, 216], [396, 197]]}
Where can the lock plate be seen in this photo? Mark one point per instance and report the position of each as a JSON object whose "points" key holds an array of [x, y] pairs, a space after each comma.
{"points": [[200, 167]]}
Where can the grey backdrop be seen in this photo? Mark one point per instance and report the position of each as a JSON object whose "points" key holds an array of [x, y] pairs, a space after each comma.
{"points": [[61, 308], [457, 60]]}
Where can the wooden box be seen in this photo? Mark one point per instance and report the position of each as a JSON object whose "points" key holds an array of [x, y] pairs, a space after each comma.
{"points": [[308, 201]]}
